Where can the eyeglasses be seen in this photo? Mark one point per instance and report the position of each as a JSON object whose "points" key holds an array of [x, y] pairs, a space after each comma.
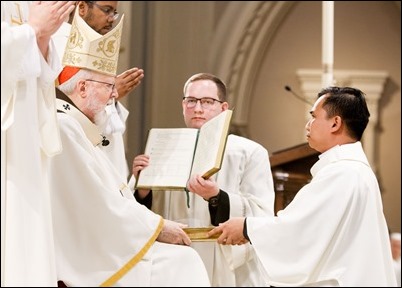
{"points": [[206, 102], [109, 11], [109, 85]]}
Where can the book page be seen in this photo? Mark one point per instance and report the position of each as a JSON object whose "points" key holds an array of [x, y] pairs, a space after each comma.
{"points": [[171, 152], [211, 145]]}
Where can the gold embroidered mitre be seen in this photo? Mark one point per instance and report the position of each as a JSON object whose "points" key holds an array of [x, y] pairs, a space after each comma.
{"points": [[88, 49]]}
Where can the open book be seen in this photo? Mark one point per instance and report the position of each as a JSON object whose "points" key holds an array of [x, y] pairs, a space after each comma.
{"points": [[177, 153]]}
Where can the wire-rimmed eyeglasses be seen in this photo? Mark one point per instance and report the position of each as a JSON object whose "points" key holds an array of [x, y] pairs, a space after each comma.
{"points": [[109, 11], [206, 102], [109, 85]]}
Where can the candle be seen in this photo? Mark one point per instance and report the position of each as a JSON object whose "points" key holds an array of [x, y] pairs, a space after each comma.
{"points": [[327, 42]]}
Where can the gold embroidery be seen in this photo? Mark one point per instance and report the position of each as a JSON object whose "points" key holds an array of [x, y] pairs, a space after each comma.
{"points": [[18, 19]]}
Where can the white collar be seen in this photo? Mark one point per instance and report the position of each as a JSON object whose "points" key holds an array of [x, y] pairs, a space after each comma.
{"points": [[92, 131]]}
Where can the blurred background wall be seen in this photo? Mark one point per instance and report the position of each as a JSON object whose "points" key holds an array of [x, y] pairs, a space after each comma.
{"points": [[258, 47]]}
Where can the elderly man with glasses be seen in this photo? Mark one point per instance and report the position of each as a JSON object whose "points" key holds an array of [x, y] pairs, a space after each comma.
{"points": [[101, 17], [103, 237]]}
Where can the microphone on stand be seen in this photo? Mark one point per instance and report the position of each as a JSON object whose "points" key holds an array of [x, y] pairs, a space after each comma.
{"points": [[287, 88]]}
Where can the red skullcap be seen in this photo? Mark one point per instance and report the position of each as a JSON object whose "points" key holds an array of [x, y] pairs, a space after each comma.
{"points": [[67, 73]]}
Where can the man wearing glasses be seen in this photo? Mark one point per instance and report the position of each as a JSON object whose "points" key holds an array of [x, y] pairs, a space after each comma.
{"points": [[101, 16], [103, 237], [243, 186]]}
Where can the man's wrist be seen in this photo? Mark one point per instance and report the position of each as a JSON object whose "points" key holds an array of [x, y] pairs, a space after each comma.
{"points": [[214, 200]]}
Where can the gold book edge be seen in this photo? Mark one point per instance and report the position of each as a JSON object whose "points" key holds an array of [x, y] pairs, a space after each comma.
{"points": [[200, 234], [159, 188]]}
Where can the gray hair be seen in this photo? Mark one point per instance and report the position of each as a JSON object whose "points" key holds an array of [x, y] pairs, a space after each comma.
{"points": [[69, 86]]}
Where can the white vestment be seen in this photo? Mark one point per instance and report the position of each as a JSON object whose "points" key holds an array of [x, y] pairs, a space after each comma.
{"points": [[102, 234], [115, 151], [246, 177], [397, 268], [29, 135], [334, 231]]}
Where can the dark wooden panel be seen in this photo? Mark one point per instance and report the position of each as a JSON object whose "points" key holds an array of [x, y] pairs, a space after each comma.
{"points": [[291, 171]]}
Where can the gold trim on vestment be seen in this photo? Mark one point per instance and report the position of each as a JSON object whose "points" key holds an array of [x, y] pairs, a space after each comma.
{"points": [[123, 270]]}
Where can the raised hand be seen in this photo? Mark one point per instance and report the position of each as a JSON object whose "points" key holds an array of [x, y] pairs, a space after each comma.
{"points": [[128, 81], [45, 17]]}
